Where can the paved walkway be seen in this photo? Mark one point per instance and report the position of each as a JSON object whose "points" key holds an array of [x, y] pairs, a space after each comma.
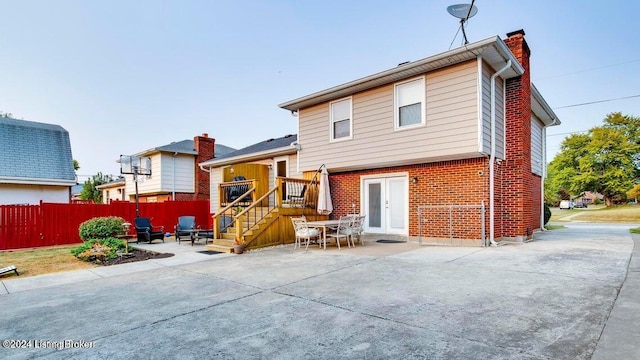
{"points": [[559, 297]]}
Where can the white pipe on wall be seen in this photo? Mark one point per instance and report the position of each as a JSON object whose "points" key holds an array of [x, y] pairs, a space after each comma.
{"points": [[492, 157]]}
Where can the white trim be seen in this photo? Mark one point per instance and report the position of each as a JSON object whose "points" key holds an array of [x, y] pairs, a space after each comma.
{"points": [[423, 102], [405, 177], [384, 175], [331, 120], [274, 166]]}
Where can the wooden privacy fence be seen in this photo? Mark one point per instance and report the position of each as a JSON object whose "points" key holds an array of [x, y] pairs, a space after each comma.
{"points": [[26, 226]]}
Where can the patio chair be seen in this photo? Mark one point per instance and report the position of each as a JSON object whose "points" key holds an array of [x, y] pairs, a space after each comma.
{"points": [[185, 227], [343, 231], [357, 224], [146, 231], [9, 268], [303, 231]]}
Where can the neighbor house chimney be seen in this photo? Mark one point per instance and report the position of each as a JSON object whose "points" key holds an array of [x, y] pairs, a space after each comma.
{"points": [[205, 146]]}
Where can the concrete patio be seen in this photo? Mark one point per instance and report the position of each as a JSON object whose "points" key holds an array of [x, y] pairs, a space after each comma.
{"points": [[559, 297]]}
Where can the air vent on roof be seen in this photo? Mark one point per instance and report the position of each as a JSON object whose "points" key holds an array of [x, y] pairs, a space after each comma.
{"points": [[404, 63], [288, 136], [270, 140]]}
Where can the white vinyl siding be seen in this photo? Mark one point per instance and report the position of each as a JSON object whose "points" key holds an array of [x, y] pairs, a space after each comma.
{"points": [[162, 175], [184, 180], [33, 194], [450, 132], [340, 120], [409, 103], [215, 178], [486, 113], [536, 146]]}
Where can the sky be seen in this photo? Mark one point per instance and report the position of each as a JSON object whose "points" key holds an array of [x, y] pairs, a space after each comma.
{"points": [[125, 76]]}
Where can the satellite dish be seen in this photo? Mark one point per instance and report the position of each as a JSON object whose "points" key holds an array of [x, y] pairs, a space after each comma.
{"points": [[462, 11]]}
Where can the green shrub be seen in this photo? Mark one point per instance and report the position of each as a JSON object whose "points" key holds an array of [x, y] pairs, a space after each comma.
{"points": [[547, 214], [101, 228], [97, 250]]}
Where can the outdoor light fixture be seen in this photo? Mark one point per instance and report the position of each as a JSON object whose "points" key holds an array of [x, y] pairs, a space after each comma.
{"points": [[414, 180]]}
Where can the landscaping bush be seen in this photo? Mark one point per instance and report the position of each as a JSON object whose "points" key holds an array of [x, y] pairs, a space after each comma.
{"points": [[547, 214], [101, 228], [97, 250]]}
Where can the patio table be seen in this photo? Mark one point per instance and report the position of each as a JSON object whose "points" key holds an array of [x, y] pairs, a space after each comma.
{"points": [[324, 224]]}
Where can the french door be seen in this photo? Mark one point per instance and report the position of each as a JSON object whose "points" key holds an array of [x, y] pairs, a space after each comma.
{"points": [[385, 203]]}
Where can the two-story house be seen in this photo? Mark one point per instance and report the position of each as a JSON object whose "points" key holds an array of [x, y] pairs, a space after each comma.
{"points": [[461, 127], [35, 163], [175, 173]]}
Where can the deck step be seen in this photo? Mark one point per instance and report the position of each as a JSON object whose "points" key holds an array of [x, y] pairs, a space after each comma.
{"points": [[220, 248]]}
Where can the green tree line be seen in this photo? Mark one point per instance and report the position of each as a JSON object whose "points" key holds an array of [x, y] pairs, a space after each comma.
{"points": [[605, 159]]}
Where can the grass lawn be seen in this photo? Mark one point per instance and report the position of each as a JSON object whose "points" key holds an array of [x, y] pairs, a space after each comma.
{"points": [[43, 260], [613, 214]]}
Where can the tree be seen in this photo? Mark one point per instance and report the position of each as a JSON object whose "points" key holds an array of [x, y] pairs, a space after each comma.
{"points": [[89, 191], [630, 126], [604, 160], [76, 165], [634, 193]]}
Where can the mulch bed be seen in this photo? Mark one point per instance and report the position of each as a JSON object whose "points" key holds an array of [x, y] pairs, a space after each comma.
{"points": [[133, 256]]}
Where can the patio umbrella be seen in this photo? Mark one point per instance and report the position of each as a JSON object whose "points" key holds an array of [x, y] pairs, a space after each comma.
{"points": [[325, 207]]}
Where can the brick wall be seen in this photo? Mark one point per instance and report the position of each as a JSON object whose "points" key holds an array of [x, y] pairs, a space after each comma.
{"points": [[461, 182], [205, 146]]}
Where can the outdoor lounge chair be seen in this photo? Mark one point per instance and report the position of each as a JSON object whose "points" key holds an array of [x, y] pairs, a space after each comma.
{"points": [[297, 199], [185, 227], [147, 232], [234, 192], [9, 268]]}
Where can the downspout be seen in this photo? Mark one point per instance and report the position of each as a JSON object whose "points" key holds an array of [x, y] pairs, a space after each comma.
{"points": [[544, 170], [492, 157], [173, 191]]}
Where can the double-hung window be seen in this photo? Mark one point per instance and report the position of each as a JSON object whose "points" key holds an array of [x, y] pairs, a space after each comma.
{"points": [[341, 124], [409, 103]]}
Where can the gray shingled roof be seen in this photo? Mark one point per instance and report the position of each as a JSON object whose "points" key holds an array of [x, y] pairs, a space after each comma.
{"points": [[262, 146], [33, 150], [187, 147]]}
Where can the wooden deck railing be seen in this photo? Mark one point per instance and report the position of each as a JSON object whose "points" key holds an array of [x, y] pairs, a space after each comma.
{"points": [[242, 217]]}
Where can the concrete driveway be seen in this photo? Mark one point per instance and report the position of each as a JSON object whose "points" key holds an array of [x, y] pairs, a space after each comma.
{"points": [[548, 299]]}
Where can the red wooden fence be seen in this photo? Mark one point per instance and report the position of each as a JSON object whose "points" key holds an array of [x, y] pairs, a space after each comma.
{"points": [[26, 226]]}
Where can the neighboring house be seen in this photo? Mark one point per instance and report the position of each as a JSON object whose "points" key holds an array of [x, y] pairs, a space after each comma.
{"points": [[263, 161], [175, 174], [463, 127], [113, 191], [35, 163], [591, 197], [76, 190]]}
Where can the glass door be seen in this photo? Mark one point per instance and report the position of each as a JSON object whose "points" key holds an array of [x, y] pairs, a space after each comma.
{"points": [[385, 205]]}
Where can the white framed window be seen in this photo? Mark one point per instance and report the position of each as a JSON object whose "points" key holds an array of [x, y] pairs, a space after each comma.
{"points": [[409, 103], [340, 119]]}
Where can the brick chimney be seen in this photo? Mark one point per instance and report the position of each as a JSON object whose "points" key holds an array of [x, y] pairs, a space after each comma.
{"points": [[205, 146], [520, 198]]}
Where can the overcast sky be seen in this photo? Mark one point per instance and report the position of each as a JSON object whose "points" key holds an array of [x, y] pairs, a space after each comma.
{"points": [[126, 76]]}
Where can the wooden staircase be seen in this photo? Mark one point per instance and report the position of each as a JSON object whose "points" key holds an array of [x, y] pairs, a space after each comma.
{"points": [[227, 241]]}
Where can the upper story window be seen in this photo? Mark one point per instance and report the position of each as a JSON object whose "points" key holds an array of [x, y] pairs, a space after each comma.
{"points": [[341, 119], [409, 103]]}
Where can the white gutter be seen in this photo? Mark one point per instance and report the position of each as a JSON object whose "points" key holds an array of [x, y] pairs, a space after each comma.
{"points": [[492, 157], [544, 170]]}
